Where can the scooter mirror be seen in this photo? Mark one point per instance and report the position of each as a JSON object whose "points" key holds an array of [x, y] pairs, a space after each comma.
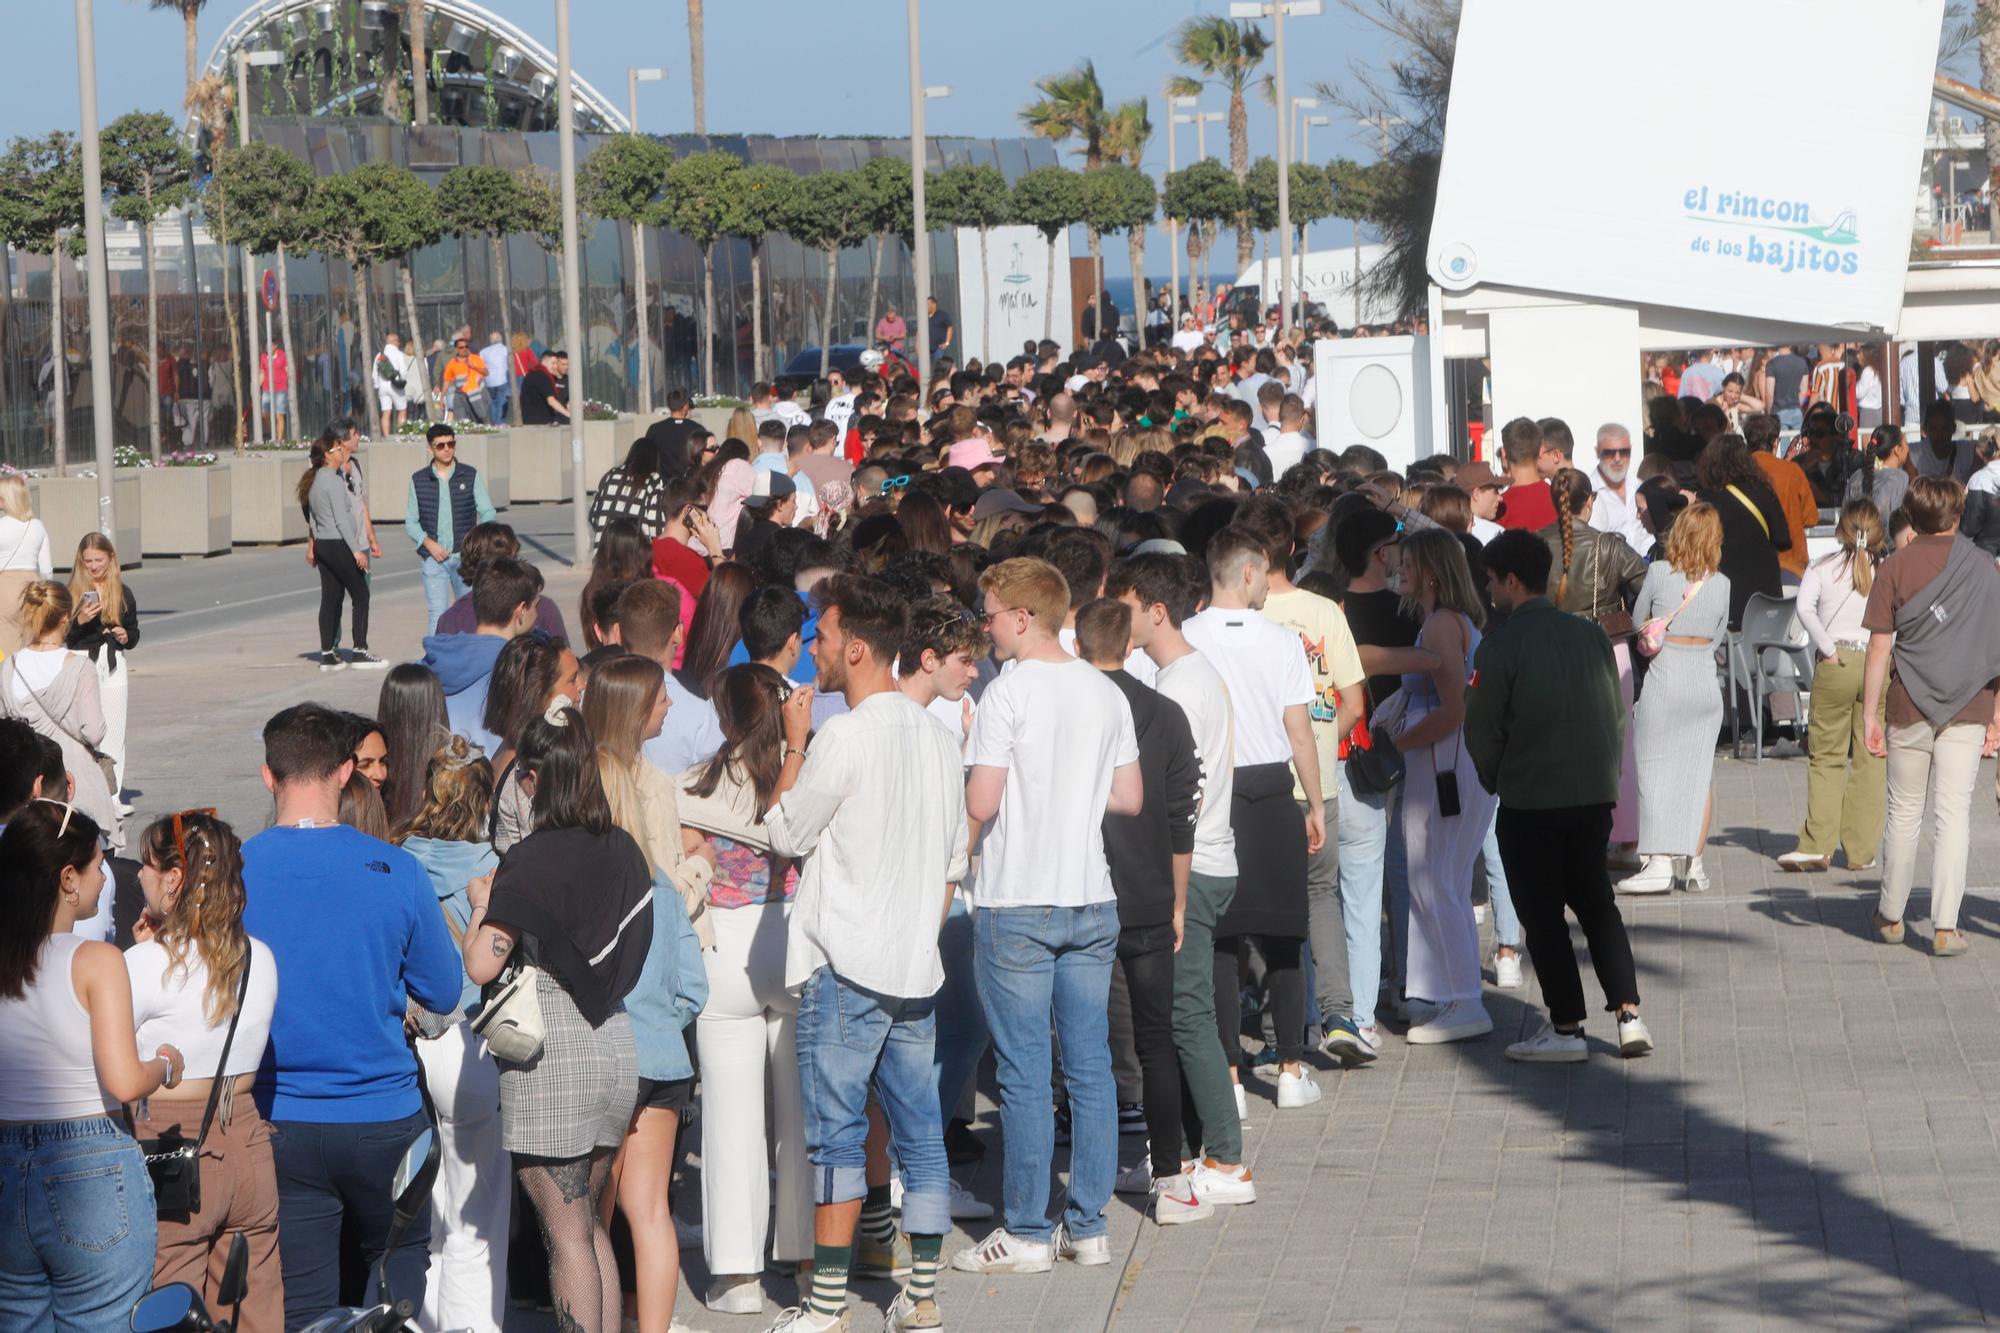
{"points": [[235, 1282], [170, 1309]]}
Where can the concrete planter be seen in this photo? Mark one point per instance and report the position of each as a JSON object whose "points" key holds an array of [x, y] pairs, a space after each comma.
{"points": [[387, 464], [493, 456], [185, 510], [264, 498], [601, 451], [716, 419], [631, 425], [67, 506], [539, 464]]}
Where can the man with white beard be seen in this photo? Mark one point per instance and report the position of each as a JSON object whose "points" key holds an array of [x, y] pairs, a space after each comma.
{"points": [[1616, 509]]}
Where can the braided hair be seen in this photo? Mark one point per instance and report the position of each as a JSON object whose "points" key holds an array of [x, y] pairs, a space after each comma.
{"points": [[1572, 491]]}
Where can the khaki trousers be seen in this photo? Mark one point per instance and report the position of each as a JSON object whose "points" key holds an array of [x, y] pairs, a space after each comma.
{"points": [[1944, 764], [1846, 787]]}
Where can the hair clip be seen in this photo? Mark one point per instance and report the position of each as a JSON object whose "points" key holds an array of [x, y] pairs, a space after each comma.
{"points": [[557, 713]]}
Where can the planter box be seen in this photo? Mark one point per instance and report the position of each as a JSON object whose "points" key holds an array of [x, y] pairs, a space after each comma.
{"points": [[387, 464], [264, 498], [539, 464], [67, 506], [716, 419], [631, 426], [185, 510], [493, 456], [601, 451]]}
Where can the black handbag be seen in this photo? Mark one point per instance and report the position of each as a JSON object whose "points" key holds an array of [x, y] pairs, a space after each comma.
{"points": [[1378, 769], [173, 1160]]}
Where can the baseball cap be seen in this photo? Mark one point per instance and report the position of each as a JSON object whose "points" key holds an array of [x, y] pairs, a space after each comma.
{"points": [[772, 487], [1473, 476], [973, 454], [1000, 500]]}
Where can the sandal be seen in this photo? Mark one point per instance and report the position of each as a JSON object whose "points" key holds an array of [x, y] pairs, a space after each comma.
{"points": [[1948, 943], [1889, 932]]}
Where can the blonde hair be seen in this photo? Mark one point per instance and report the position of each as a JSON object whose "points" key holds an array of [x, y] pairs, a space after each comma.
{"points": [[1861, 537], [14, 501], [1035, 586], [110, 589], [615, 708], [458, 789], [44, 607], [1438, 555], [208, 914], [742, 426], [1694, 543]]}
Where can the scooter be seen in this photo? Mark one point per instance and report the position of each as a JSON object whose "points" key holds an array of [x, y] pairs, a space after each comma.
{"points": [[178, 1308]]}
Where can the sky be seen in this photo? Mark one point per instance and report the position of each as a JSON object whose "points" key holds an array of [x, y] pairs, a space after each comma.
{"points": [[788, 67]]}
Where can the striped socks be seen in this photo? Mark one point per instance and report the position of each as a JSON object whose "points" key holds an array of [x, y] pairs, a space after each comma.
{"points": [[924, 1252], [878, 1222], [829, 1283]]}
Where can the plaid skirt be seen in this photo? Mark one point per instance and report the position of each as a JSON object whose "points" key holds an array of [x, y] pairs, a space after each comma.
{"points": [[577, 1093]]}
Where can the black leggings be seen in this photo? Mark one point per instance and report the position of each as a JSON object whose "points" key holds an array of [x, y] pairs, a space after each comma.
{"points": [[339, 574], [1147, 956], [1284, 994]]}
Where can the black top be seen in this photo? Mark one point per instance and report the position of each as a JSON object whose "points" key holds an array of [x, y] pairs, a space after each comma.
{"points": [[537, 387], [1749, 551], [1377, 620], [91, 638], [1981, 524], [572, 893], [1141, 847]]}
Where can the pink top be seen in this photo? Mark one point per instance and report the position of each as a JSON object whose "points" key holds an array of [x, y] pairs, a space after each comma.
{"points": [[272, 364]]}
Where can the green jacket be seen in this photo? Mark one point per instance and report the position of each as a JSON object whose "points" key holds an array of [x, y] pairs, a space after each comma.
{"points": [[1544, 719]]}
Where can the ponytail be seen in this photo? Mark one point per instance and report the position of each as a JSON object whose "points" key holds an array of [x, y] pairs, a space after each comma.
{"points": [[1860, 536], [315, 462]]}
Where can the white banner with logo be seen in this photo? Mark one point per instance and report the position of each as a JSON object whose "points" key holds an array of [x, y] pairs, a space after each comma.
{"points": [[1014, 285], [1716, 156]]}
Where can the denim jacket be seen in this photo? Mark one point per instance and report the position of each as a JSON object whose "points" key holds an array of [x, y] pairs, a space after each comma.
{"points": [[452, 866], [671, 990]]}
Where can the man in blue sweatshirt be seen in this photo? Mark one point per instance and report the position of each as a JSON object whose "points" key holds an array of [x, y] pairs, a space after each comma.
{"points": [[503, 606], [356, 932]]}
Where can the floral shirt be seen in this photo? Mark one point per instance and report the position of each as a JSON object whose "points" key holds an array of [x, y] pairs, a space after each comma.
{"points": [[743, 875]]}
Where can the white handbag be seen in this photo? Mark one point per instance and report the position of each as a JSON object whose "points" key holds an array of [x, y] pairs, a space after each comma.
{"points": [[511, 1021]]}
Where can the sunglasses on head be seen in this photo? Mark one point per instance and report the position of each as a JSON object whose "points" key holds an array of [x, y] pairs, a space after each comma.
{"points": [[180, 834]]}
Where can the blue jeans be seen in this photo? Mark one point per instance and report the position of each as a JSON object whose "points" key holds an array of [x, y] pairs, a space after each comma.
{"points": [[1371, 858], [1506, 924], [498, 395], [1034, 963], [442, 587], [77, 1230], [961, 1023], [849, 1037], [335, 1174], [1791, 418]]}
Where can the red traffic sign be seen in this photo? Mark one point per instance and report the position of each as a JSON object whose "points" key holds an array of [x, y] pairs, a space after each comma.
{"points": [[270, 288]]}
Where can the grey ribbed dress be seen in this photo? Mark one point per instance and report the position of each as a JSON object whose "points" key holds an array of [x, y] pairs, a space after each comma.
{"points": [[1679, 714]]}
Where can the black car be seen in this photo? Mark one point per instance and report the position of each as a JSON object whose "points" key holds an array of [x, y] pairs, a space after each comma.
{"points": [[799, 372]]}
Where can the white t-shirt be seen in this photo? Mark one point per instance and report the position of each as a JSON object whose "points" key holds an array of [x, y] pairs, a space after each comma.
{"points": [[36, 669], [1059, 729], [1485, 529], [24, 545], [1194, 684], [1284, 448], [1190, 341], [1264, 665], [174, 1009]]}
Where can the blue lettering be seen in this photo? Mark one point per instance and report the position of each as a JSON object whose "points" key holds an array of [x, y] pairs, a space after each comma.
{"points": [[1848, 265]]}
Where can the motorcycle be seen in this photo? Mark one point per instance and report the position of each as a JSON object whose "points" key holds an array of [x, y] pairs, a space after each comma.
{"points": [[178, 1307]]}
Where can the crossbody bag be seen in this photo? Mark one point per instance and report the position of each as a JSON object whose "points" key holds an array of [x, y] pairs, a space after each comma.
{"points": [[105, 764], [1653, 634], [172, 1160]]}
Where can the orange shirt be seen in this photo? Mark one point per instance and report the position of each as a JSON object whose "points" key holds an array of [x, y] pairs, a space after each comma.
{"points": [[1795, 497], [471, 368]]}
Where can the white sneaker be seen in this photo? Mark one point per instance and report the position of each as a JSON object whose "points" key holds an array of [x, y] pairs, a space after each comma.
{"points": [[736, 1294], [1137, 1178], [1175, 1202], [1459, 1020], [1223, 1187], [798, 1319], [1507, 971], [1697, 877], [905, 1314], [1372, 1035], [1296, 1090], [1003, 1252], [1656, 876], [1633, 1038], [1087, 1251], [966, 1208], [1803, 861], [1242, 1103], [1551, 1047]]}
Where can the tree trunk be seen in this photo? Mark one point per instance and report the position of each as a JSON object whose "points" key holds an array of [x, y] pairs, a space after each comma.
{"points": [[370, 401], [188, 16], [1264, 279], [235, 330], [420, 61], [1049, 296], [985, 298], [58, 364], [874, 290], [1239, 166], [285, 341], [1135, 243], [152, 340], [500, 272], [708, 319], [417, 348], [826, 310], [1193, 259], [697, 73], [1987, 14], [1097, 283]]}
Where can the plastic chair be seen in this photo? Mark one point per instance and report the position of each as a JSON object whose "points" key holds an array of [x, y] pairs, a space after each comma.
{"points": [[1769, 655]]}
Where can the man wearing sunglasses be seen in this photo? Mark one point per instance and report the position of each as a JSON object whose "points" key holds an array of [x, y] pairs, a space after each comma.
{"points": [[447, 499], [1616, 509], [464, 383]]}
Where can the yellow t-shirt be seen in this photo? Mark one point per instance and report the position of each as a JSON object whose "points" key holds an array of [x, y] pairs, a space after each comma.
{"points": [[1335, 664]]}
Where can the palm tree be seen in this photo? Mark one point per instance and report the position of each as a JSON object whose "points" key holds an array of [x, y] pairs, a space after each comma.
{"points": [[1131, 127], [697, 68], [1072, 106], [420, 94], [189, 10], [1225, 53]]}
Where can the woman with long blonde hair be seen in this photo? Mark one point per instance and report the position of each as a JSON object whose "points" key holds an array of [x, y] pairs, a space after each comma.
{"points": [[1446, 812], [24, 555], [1680, 712], [104, 626], [1846, 787], [192, 962]]}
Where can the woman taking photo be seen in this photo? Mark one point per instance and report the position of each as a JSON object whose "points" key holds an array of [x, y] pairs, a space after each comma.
{"points": [[624, 708], [104, 626], [54, 691], [472, 1201], [1680, 713], [1445, 811], [338, 548], [747, 1033], [24, 556], [1846, 787], [79, 1229], [192, 962], [572, 901], [411, 717], [530, 674]]}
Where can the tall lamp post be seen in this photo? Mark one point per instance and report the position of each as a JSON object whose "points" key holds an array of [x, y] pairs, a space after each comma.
{"points": [[572, 293], [1277, 11], [1174, 104], [919, 157], [252, 298], [100, 295], [633, 78]]}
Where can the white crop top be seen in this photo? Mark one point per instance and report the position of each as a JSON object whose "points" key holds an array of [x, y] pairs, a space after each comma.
{"points": [[45, 1044], [174, 1009]]}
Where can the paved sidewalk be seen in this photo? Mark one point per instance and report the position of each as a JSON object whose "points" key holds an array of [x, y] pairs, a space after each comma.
{"points": [[1812, 1146]]}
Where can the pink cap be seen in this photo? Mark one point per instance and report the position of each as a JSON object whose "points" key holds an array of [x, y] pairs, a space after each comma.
{"points": [[972, 454]]}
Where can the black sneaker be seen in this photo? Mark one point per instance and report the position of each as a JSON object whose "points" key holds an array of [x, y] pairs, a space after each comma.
{"points": [[961, 1146], [1131, 1117], [1344, 1043], [330, 661], [363, 660], [1062, 1122]]}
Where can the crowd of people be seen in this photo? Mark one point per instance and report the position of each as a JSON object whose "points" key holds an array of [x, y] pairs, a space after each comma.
{"points": [[1082, 712]]}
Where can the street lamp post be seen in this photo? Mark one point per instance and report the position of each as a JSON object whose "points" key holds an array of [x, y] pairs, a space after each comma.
{"points": [[100, 294], [1173, 232], [252, 298], [633, 78], [572, 293], [1276, 11], [1299, 105], [919, 157]]}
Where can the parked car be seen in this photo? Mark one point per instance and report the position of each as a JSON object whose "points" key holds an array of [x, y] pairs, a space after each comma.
{"points": [[799, 372]]}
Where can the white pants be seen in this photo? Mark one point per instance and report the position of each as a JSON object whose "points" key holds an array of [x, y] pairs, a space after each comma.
{"points": [[747, 1036], [114, 695], [471, 1202], [1444, 935]]}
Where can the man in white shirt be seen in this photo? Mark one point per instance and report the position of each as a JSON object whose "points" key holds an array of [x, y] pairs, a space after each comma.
{"points": [[1289, 442], [878, 814], [1190, 338], [1162, 592], [1053, 750], [1616, 508], [391, 377], [499, 383], [839, 407], [1271, 692]]}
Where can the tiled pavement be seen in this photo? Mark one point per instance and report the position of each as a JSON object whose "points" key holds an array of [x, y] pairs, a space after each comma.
{"points": [[1811, 1146]]}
